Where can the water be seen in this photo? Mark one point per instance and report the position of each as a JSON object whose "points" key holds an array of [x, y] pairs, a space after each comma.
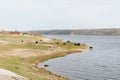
{"points": [[101, 63]]}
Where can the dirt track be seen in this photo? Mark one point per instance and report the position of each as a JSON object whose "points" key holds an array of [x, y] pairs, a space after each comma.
{"points": [[7, 75]]}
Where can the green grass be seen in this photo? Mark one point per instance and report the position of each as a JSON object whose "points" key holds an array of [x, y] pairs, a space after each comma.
{"points": [[17, 65], [30, 46], [70, 45]]}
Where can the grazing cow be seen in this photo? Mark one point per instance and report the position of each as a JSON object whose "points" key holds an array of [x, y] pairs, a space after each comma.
{"points": [[68, 41], [49, 46], [36, 42], [84, 44], [64, 43], [22, 41], [41, 40], [57, 43], [77, 44]]}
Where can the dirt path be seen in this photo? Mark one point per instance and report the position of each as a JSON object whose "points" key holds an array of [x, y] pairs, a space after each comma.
{"points": [[8, 75]]}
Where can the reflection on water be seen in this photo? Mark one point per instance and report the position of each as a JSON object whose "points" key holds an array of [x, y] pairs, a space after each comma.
{"points": [[101, 63]]}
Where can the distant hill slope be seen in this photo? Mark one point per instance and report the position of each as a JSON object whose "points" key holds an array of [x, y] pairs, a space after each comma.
{"points": [[109, 32]]}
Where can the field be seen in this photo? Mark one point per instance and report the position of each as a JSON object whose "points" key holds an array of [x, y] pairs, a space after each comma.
{"points": [[22, 53]]}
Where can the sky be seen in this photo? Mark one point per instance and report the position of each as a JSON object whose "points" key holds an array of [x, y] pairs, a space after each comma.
{"points": [[59, 14]]}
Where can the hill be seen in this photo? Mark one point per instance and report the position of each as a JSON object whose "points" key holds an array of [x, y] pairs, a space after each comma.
{"points": [[106, 32]]}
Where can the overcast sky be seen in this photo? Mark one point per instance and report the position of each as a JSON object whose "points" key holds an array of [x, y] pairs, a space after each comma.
{"points": [[59, 14]]}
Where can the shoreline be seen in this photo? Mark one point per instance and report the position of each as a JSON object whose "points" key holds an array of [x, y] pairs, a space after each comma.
{"points": [[21, 54], [63, 55], [10, 75]]}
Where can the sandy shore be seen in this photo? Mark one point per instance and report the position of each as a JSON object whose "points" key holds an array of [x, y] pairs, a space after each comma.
{"points": [[8, 75]]}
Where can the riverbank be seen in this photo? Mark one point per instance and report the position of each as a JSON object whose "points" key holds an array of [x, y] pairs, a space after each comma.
{"points": [[21, 54]]}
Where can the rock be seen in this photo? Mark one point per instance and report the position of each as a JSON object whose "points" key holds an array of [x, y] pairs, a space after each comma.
{"points": [[91, 47], [46, 65]]}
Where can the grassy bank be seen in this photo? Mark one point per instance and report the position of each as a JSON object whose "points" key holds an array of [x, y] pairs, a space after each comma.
{"points": [[21, 54]]}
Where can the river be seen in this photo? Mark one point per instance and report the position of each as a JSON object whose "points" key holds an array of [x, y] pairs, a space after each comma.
{"points": [[101, 63]]}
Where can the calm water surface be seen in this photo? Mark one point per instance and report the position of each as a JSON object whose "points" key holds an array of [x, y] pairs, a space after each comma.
{"points": [[101, 63]]}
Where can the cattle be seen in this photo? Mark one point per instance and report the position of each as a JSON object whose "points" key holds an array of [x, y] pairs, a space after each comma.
{"points": [[36, 42], [64, 43], [57, 43], [77, 44], [68, 41], [22, 41]]}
